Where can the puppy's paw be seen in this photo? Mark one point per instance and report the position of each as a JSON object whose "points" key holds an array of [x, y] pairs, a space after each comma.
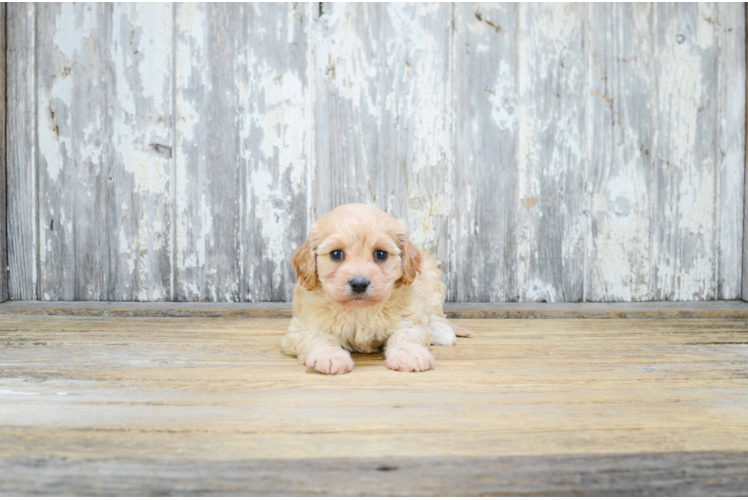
{"points": [[330, 360], [460, 331], [410, 358], [442, 334]]}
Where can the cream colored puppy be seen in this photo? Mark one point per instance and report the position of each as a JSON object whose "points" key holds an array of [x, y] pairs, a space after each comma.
{"points": [[364, 286]]}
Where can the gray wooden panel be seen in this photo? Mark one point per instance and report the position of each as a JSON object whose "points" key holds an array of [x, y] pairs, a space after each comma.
{"points": [[208, 175], [708, 473], [139, 189], [3, 185], [74, 136], [485, 148], [94, 147], [383, 114], [744, 288], [549, 215], [542, 152], [621, 169], [21, 152], [275, 116], [243, 149], [731, 35], [685, 229]]}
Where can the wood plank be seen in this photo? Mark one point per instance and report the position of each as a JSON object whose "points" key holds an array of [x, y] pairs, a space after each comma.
{"points": [[208, 174], [549, 212], [23, 246], [685, 237], [140, 117], [98, 404], [731, 35], [242, 156], [485, 148], [744, 288], [74, 131], [647, 474], [464, 310], [620, 174], [3, 155], [276, 144], [383, 114]]}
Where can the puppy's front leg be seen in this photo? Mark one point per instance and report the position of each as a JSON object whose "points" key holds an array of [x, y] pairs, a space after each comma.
{"points": [[407, 350], [318, 350]]}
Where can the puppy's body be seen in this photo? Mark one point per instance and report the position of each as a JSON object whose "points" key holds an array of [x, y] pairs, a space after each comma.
{"points": [[400, 311]]}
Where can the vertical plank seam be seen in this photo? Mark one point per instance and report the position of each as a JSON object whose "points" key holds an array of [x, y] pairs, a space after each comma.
{"points": [[242, 170], [654, 200], [311, 111], [310, 108], [516, 292], [717, 151], [743, 288], [510, 231], [451, 277], [239, 247], [742, 277], [589, 167], [173, 163], [106, 288], [4, 275], [37, 266]]}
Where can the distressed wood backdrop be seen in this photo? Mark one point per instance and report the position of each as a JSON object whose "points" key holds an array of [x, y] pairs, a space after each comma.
{"points": [[546, 152]]}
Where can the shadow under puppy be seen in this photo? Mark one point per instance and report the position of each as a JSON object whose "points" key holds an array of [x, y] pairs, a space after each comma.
{"points": [[364, 286]]}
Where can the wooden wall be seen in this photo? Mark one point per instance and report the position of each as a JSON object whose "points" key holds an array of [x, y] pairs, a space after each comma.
{"points": [[543, 152], [3, 187]]}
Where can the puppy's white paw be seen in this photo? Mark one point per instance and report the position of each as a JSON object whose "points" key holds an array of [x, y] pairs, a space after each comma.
{"points": [[330, 360], [410, 358], [442, 334]]}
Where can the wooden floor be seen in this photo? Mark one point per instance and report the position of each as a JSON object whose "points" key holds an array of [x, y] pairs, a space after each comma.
{"points": [[200, 405]]}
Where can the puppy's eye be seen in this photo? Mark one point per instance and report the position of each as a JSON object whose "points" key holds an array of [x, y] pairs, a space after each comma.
{"points": [[337, 255], [380, 255]]}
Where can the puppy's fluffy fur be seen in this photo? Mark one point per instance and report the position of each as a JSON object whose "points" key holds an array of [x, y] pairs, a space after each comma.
{"points": [[401, 310]]}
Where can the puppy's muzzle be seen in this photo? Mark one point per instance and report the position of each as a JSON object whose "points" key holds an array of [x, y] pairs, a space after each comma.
{"points": [[359, 284]]}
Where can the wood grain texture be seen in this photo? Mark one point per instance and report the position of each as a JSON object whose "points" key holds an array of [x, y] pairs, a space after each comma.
{"points": [[620, 172], [639, 474], [208, 173], [383, 114], [744, 288], [541, 152], [242, 149], [74, 131], [276, 138], [3, 159], [22, 189], [549, 214], [731, 36], [486, 103], [457, 310], [685, 235], [171, 394], [140, 119]]}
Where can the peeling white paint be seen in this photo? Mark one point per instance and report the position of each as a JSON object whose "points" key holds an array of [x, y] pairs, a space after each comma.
{"points": [[73, 28], [382, 130], [18, 393]]}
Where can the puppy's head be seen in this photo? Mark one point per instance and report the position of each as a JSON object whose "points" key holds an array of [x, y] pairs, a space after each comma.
{"points": [[357, 254]]}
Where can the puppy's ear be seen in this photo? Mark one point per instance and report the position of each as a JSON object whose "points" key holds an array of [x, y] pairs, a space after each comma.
{"points": [[305, 263], [411, 259]]}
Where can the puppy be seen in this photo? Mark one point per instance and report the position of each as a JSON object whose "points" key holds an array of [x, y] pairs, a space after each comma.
{"points": [[364, 286]]}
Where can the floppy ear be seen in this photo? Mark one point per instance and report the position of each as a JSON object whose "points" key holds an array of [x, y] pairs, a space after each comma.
{"points": [[305, 263], [411, 259]]}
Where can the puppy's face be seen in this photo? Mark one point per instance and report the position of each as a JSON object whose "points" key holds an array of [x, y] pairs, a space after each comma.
{"points": [[357, 254]]}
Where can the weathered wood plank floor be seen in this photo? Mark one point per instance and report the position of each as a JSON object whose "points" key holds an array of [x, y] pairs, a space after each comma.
{"points": [[141, 405]]}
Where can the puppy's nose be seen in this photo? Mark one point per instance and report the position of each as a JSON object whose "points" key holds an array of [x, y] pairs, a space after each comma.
{"points": [[359, 284]]}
